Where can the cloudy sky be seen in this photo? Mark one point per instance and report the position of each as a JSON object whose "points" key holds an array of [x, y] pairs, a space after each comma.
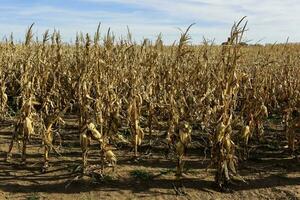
{"points": [[269, 21]]}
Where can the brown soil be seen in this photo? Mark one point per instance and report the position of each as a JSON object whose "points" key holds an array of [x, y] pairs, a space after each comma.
{"points": [[270, 173]]}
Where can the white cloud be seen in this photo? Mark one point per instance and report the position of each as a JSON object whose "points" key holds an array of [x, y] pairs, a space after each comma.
{"points": [[270, 20], [273, 20]]}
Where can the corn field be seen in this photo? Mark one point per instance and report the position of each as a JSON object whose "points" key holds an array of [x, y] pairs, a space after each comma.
{"points": [[128, 95]]}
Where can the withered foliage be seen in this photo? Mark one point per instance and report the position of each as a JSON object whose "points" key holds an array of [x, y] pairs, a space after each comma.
{"points": [[223, 94]]}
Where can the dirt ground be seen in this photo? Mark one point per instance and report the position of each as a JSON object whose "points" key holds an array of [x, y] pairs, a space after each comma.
{"points": [[270, 173]]}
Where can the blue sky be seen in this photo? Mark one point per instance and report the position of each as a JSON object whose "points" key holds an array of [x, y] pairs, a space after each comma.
{"points": [[269, 20]]}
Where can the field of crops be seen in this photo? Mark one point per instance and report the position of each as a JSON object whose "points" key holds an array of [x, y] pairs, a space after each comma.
{"points": [[123, 120]]}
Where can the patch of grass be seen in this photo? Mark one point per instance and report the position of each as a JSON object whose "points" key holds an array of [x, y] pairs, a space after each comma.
{"points": [[108, 178], [142, 175]]}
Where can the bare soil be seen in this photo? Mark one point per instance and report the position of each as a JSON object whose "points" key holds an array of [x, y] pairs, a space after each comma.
{"points": [[270, 173]]}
